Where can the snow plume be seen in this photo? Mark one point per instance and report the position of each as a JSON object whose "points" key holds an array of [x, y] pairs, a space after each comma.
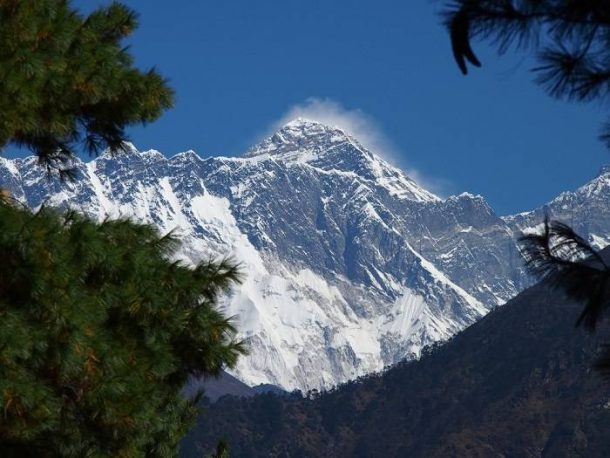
{"points": [[353, 122], [442, 187], [363, 128]]}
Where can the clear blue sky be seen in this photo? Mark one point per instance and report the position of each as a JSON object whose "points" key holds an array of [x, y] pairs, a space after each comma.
{"points": [[238, 66]]}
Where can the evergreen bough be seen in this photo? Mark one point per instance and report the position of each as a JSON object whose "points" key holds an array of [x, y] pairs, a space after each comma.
{"points": [[67, 81], [99, 332], [571, 39]]}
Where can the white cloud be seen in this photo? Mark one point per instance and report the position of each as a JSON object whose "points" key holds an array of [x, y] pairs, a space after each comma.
{"points": [[362, 127], [352, 121]]}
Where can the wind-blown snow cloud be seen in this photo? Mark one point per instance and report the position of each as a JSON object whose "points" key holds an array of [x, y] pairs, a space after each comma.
{"points": [[362, 127], [354, 122]]}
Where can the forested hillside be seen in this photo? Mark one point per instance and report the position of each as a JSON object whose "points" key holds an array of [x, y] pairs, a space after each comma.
{"points": [[517, 383]]}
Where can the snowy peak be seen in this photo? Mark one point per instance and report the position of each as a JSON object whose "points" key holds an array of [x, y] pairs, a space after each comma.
{"points": [[300, 135], [584, 209], [309, 130], [326, 149], [604, 171], [597, 188]]}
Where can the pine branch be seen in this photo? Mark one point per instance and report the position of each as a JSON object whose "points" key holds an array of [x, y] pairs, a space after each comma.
{"points": [[572, 38], [569, 263]]}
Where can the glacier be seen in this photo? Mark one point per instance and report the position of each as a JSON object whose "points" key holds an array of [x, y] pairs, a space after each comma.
{"points": [[349, 265]]}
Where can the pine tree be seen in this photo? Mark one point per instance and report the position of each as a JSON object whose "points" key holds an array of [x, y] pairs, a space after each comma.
{"points": [[99, 332], [67, 81]]}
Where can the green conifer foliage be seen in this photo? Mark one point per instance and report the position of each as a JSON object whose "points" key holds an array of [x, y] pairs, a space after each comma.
{"points": [[99, 332], [66, 80]]}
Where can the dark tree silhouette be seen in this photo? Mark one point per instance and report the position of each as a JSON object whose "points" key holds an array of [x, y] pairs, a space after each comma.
{"points": [[572, 41], [570, 263], [571, 37]]}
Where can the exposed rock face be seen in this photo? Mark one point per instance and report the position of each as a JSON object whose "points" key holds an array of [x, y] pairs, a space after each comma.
{"points": [[350, 265]]}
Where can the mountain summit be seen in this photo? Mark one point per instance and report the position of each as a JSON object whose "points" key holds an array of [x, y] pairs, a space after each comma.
{"points": [[350, 265], [302, 135], [331, 150]]}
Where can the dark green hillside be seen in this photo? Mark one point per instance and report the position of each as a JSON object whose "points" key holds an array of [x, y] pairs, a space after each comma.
{"points": [[516, 384]]}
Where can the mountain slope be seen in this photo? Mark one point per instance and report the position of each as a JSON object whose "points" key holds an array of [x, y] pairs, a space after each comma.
{"points": [[516, 383], [350, 265]]}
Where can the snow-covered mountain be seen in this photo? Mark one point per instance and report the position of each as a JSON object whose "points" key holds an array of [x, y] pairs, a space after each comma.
{"points": [[350, 265], [586, 210]]}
